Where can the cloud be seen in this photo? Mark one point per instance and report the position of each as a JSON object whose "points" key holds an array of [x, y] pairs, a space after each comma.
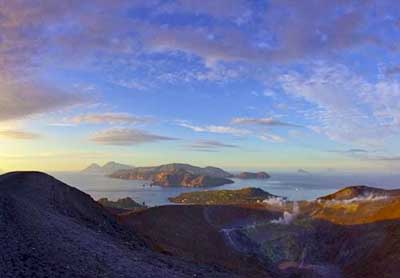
{"points": [[261, 121], [281, 30], [127, 137], [110, 118], [19, 135], [209, 146], [272, 138], [345, 106], [20, 100], [214, 129]]}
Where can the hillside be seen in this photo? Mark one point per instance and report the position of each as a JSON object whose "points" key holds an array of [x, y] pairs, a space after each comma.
{"points": [[240, 196], [177, 174], [352, 235], [49, 229]]}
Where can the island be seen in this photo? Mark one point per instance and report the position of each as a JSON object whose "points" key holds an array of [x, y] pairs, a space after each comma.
{"points": [[126, 203], [177, 174], [250, 175], [246, 195], [106, 169]]}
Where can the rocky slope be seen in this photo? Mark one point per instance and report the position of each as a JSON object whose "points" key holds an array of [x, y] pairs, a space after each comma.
{"points": [[249, 195], [250, 175], [49, 229], [359, 191], [344, 235], [106, 169]]}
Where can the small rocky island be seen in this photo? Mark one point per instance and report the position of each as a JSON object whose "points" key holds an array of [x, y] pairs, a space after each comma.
{"points": [[247, 195], [106, 169], [123, 203], [177, 174], [250, 175]]}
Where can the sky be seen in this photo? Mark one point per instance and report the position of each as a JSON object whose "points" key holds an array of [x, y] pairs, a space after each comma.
{"points": [[261, 84]]}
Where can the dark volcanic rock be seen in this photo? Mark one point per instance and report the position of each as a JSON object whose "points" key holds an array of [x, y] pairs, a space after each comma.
{"points": [[49, 229], [249, 175]]}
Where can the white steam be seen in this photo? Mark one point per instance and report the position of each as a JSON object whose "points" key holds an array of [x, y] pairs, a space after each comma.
{"points": [[275, 201], [363, 198], [288, 217]]}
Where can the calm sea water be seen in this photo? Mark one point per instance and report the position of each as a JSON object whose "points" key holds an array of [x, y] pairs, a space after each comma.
{"points": [[292, 186]]}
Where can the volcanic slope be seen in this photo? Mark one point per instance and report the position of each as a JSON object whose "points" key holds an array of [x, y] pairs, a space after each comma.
{"points": [[49, 229]]}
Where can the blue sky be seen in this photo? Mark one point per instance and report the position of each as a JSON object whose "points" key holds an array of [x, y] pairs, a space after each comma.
{"points": [[239, 84]]}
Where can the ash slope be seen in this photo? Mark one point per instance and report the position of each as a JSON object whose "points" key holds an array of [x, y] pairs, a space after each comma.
{"points": [[49, 229]]}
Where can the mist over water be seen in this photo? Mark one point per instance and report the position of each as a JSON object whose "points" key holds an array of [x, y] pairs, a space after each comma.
{"points": [[292, 186]]}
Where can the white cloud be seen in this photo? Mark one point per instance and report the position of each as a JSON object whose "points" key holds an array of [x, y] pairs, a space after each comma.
{"points": [[272, 138], [215, 129], [347, 107]]}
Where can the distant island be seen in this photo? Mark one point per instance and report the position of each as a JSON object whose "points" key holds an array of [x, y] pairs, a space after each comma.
{"points": [[303, 172], [177, 174], [123, 203], [250, 175], [106, 169], [247, 195]]}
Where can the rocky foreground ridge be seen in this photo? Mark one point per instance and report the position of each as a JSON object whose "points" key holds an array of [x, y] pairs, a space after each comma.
{"points": [[49, 229]]}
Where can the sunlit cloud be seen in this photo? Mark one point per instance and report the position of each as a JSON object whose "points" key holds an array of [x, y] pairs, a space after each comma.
{"points": [[214, 129], [110, 118], [19, 135], [127, 137]]}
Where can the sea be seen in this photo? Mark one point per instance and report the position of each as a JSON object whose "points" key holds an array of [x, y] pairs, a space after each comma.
{"points": [[293, 186]]}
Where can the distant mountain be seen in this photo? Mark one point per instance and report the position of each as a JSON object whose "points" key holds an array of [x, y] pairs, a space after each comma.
{"points": [[124, 203], [106, 169], [303, 172], [177, 174], [250, 175]]}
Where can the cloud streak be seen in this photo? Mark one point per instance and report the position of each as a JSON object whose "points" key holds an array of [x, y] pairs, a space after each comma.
{"points": [[19, 135], [210, 146], [270, 122], [127, 137], [110, 118], [215, 129]]}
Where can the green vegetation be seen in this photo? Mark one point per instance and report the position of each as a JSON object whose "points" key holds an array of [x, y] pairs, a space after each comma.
{"points": [[245, 195]]}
